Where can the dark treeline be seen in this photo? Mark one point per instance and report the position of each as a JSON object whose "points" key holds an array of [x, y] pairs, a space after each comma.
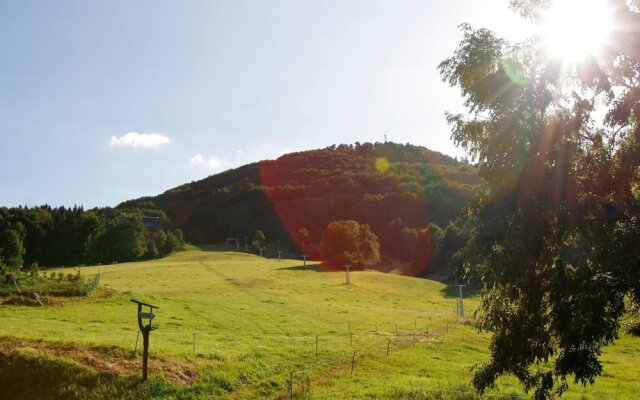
{"points": [[72, 236], [410, 197]]}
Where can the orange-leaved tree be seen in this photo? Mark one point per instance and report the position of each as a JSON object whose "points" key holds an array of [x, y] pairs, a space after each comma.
{"points": [[350, 243]]}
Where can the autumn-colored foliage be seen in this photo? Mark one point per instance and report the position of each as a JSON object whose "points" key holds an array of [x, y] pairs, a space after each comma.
{"points": [[399, 191], [350, 243]]}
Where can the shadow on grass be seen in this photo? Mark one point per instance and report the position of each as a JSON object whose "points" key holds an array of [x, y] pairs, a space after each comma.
{"points": [[221, 248], [213, 248], [314, 268], [30, 376]]}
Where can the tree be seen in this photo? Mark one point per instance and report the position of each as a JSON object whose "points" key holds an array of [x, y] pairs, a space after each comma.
{"points": [[11, 253], [303, 237], [258, 241], [350, 243], [556, 231], [121, 240]]}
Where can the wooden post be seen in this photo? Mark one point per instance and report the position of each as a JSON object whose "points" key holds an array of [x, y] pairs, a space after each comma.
{"points": [[145, 330], [353, 362], [291, 385], [145, 353]]}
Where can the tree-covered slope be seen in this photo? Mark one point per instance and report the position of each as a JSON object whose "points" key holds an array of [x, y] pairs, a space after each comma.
{"points": [[399, 190]]}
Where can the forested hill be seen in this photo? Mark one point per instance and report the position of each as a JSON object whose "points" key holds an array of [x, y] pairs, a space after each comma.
{"points": [[399, 190]]}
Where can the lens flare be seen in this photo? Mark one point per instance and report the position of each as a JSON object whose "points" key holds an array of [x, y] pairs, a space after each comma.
{"points": [[382, 164], [575, 29]]}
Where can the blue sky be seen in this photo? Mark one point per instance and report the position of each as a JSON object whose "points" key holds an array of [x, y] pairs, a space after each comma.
{"points": [[104, 101]]}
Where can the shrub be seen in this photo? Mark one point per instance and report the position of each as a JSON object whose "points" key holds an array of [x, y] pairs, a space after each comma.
{"points": [[632, 327]]}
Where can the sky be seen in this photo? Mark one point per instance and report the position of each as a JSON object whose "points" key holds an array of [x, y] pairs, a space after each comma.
{"points": [[106, 101]]}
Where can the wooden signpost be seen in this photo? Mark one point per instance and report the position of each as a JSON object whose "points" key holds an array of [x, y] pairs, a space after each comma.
{"points": [[145, 330]]}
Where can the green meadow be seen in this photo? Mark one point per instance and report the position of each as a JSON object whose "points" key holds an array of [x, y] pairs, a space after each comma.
{"points": [[237, 326]]}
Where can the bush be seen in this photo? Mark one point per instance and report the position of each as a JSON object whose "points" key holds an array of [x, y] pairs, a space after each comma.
{"points": [[632, 327]]}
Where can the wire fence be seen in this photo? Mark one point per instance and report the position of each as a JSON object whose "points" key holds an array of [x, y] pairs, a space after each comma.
{"points": [[342, 351]]}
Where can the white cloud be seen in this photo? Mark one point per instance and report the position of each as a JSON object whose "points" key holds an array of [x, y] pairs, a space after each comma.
{"points": [[138, 140], [211, 162]]}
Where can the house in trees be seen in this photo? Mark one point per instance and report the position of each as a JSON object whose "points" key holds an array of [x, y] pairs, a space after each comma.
{"points": [[153, 223]]}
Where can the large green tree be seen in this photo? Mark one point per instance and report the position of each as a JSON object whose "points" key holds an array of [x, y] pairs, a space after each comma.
{"points": [[556, 232]]}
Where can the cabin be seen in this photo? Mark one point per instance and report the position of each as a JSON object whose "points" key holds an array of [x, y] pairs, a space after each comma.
{"points": [[153, 223]]}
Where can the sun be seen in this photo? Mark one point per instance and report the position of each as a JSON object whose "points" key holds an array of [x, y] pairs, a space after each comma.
{"points": [[572, 30]]}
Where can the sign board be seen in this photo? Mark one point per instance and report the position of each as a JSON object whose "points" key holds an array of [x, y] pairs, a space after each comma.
{"points": [[144, 315]]}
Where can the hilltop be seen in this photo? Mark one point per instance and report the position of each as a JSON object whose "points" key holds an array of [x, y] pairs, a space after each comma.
{"points": [[407, 194]]}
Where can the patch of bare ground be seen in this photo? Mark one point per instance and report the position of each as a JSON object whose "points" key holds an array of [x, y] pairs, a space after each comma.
{"points": [[111, 360]]}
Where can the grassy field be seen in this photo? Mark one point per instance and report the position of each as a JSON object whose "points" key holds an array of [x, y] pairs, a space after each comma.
{"points": [[238, 326]]}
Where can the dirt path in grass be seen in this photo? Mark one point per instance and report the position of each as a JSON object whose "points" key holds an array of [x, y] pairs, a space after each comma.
{"points": [[112, 360]]}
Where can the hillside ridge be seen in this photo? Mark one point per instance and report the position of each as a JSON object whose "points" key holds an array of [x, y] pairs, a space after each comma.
{"points": [[404, 192]]}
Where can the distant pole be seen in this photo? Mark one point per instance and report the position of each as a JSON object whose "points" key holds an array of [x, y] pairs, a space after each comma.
{"points": [[459, 300], [348, 281], [279, 254], [304, 257]]}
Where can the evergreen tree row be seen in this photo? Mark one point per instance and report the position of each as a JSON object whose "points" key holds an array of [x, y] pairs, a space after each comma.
{"points": [[72, 236]]}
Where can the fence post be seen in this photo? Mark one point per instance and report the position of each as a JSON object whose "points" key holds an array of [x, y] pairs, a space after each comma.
{"points": [[353, 362], [135, 351], [291, 385]]}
